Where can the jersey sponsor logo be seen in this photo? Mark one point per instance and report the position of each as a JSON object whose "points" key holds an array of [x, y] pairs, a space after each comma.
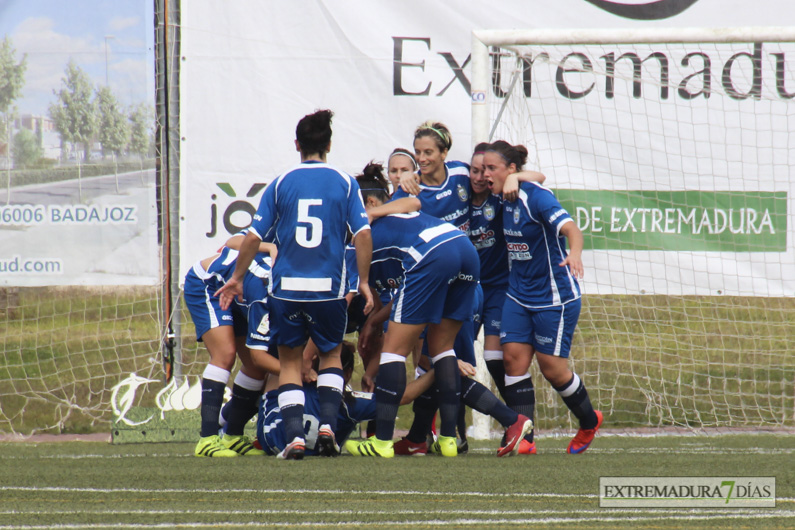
{"points": [[488, 212], [556, 215], [542, 339], [514, 233], [516, 216], [462, 193], [257, 336], [455, 215], [518, 247], [442, 195]]}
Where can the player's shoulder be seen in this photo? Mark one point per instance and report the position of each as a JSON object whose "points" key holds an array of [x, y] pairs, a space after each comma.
{"points": [[457, 167]]}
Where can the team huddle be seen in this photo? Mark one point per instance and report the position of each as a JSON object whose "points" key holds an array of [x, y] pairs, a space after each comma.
{"points": [[415, 263]]}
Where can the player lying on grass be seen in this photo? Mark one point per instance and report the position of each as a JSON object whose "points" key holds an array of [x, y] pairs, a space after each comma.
{"points": [[356, 407], [543, 300], [227, 333], [436, 270]]}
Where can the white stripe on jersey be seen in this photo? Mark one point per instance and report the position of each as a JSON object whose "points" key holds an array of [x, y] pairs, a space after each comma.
{"points": [[429, 233], [309, 285], [554, 284]]}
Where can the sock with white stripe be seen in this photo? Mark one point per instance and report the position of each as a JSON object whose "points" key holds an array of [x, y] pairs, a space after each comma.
{"points": [[214, 381], [389, 387], [291, 408], [246, 393], [496, 368], [448, 386], [520, 396], [575, 396], [330, 382]]}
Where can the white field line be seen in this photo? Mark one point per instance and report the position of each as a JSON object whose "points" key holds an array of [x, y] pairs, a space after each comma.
{"points": [[603, 511], [314, 492], [436, 522]]}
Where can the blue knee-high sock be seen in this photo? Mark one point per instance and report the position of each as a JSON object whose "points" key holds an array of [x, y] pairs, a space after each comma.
{"points": [[246, 393], [389, 387], [521, 397], [575, 396], [496, 368], [214, 381], [330, 383], [424, 407], [484, 401], [448, 386], [291, 407]]}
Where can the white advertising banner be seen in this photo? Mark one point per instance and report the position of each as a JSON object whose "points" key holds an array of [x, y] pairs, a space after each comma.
{"points": [[251, 69], [77, 192]]}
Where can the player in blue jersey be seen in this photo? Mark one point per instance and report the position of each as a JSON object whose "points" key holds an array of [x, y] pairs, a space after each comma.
{"points": [[356, 407], [309, 211], [238, 330], [435, 270], [543, 300]]}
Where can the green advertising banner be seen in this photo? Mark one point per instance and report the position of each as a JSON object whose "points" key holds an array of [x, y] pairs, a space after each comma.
{"points": [[715, 221]]}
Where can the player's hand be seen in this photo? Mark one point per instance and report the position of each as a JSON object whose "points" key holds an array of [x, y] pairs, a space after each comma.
{"points": [[510, 190], [232, 289], [367, 293], [309, 376], [368, 383], [410, 183], [466, 369], [575, 264]]}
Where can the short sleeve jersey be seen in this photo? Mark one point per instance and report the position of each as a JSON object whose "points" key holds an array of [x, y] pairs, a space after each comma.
{"points": [[309, 211], [449, 201], [401, 241], [485, 232], [532, 226], [270, 429]]}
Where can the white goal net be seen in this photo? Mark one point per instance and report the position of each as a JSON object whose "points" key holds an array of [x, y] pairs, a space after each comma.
{"points": [[674, 153]]}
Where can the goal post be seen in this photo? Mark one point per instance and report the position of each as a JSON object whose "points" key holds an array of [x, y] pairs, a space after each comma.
{"points": [[673, 152]]}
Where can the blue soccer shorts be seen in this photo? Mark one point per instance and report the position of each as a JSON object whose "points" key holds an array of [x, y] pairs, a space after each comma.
{"points": [[547, 330], [205, 309], [441, 285], [493, 301], [295, 322]]}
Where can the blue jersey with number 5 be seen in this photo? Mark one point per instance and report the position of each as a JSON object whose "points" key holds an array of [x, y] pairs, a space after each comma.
{"points": [[309, 211]]}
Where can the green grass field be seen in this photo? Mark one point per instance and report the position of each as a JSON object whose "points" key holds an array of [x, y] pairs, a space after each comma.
{"points": [[97, 485]]}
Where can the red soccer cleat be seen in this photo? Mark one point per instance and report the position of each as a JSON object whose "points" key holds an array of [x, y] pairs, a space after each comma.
{"points": [[514, 435], [526, 448], [406, 447], [584, 437]]}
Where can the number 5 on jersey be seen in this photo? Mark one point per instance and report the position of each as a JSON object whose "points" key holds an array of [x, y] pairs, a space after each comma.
{"points": [[311, 236]]}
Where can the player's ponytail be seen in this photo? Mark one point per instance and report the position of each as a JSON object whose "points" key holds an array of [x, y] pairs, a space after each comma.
{"points": [[373, 183], [313, 132], [512, 154]]}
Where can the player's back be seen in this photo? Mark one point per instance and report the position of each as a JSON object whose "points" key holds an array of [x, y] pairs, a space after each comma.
{"points": [[310, 210]]}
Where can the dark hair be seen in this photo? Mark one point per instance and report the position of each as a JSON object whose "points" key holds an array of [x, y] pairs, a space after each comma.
{"points": [[480, 148], [438, 131], [313, 132], [373, 183], [404, 152], [512, 154]]}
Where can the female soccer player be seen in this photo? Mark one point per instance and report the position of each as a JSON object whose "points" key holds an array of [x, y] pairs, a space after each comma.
{"points": [[225, 333], [543, 300], [310, 210], [436, 270], [401, 163]]}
